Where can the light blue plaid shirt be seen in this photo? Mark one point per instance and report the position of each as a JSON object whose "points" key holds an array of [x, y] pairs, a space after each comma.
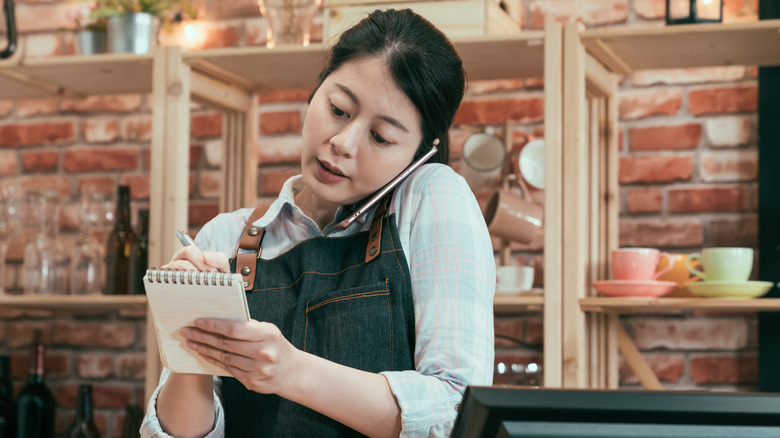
{"points": [[452, 267]]}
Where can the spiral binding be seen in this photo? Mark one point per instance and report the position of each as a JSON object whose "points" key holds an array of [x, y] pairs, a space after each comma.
{"points": [[189, 276]]}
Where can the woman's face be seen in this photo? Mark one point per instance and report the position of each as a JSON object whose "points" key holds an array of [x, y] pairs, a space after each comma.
{"points": [[359, 132]]}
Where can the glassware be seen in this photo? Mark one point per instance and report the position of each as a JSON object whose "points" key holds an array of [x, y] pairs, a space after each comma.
{"points": [[11, 220], [87, 260], [289, 21], [119, 245], [45, 267]]}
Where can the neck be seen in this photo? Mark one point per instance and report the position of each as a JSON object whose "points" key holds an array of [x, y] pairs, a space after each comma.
{"points": [[321, 211]]}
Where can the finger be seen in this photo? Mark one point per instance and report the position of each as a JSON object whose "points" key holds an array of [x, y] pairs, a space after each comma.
{"points": [[181, 265], [251, 330], [231, 362], [193, 255], [215, 341], [217, 260]]}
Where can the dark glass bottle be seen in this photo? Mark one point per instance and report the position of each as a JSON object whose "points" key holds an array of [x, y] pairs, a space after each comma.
{"points": [[35, 404], [7, 405], [139, 254], [84, 425], [118, 246], [132, 426]]}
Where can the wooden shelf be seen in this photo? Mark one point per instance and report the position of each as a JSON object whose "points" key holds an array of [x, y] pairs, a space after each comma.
{"points": [[489, 57], [74, 303], [517, 303], [691, 45], [636, 305]]}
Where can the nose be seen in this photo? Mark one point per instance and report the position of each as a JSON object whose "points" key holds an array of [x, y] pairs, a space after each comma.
{"points": [[346, 140]]}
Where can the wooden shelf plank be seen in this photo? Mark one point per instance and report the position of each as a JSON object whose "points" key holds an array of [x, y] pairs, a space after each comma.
{"points": [[695, 45], [635, 305], [517, 303], [74, 303]]}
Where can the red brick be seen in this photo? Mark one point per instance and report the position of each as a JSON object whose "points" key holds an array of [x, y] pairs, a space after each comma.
{"points": [[677, 76], [210, 183], [100, 130], [739, 8], [29, 134], [280, 122], [720, 369], [206, 125], [728, 166], [509, 331], [655, 168], [118, 103], [58, 183], [43, 45], [138, 128], [139, 185], [255, 31], [728, 131], [495, 85], [105, 185], [301, 95], [94, 334], [692, 200], [534, 331], [285, 149], [36, 107], [131, 366], [94, 366], [6, 106], [232, 9], [690, 334], [736, 232], [591, 13], [656, 138], [667, 367], [9, 162], [640, 104], [271, 182], [644, 200], [196, 156], [104, 395], [40, 161], [89, 159], [54, 364], [220, 36], [201, 212], [48, 17], [657, 233], [21, 335], [534, 83], [723, 100], [650, 9], [485, 112]]}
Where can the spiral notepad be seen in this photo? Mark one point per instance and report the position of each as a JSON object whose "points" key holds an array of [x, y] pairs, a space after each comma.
{"points": [[178, 298]]}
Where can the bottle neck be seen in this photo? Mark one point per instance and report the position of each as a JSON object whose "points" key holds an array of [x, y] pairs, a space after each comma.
{"points": [[84, 409], [123, 207], [36, 363]]}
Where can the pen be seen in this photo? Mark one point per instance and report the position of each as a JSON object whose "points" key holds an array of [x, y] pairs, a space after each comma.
{"points": [[186, 240]]}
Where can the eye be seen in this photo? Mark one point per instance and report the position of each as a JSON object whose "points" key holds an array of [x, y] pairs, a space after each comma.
{"points": [[337, 111], [379, 139]]}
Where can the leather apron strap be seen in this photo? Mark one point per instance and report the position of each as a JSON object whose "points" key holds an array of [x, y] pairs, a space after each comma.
{"points": [[251, 238]]}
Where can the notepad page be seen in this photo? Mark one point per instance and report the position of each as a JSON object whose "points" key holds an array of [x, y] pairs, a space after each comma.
{"points": [[175, 306]]}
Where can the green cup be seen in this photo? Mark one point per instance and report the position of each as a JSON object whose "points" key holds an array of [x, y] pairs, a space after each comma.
{"points": [[731, 265]]}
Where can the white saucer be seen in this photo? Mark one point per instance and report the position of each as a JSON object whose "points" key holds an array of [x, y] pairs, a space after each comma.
{"points": [[634, 288], [727, 289]]}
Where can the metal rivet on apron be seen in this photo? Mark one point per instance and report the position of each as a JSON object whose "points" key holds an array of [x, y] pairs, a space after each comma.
{"points": [[245, 270], [254, 231], [375, 235], [246, 284], [372, 251]]}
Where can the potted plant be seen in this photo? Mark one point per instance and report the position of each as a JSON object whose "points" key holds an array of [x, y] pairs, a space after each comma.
{"points": [[91, 32], [132, 25]]}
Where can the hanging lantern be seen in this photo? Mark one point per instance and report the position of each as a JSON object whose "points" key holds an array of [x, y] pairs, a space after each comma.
{"points": [[694, 11]]}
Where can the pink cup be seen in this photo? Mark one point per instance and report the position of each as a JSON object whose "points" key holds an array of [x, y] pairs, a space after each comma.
{"points": [[639, 263]]}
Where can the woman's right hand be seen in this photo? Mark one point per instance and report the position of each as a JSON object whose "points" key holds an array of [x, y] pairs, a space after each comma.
{"points": [[190, 257]]}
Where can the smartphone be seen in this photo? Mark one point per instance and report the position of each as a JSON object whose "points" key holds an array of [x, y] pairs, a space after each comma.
{"points": [[386, 189]]}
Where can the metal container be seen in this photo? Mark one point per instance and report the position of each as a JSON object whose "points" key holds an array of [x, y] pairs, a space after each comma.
{"points": [[132, 33], [90, 42]]}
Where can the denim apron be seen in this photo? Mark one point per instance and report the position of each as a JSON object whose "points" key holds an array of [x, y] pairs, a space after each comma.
{"points": [[331, 298]]}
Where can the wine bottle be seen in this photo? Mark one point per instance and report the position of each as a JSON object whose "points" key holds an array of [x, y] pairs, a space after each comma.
{"points": [[139, 254], [84, 425], [132, 425], [118, 246], [7, 405], [35, 404]]}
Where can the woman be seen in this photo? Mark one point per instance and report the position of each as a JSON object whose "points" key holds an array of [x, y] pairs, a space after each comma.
{"points": [[346, 340]]}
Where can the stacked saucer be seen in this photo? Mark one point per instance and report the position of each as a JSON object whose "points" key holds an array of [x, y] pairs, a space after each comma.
{"points": [[634, 288], [728, 289]]}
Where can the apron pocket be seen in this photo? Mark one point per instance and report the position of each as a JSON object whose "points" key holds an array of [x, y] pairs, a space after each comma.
{"points": [[352, 327]]}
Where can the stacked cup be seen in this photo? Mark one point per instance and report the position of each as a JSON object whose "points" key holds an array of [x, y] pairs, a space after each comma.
{"points": [[635, 275], [725, 273]]}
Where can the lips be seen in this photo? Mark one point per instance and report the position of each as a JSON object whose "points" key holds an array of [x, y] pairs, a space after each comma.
{"points": [[329, 173]]}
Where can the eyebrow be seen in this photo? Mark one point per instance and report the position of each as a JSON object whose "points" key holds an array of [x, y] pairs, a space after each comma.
{"points": [[387, 119]]}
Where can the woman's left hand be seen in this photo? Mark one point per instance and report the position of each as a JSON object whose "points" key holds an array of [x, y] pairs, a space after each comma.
{"points": [[256, 353]]}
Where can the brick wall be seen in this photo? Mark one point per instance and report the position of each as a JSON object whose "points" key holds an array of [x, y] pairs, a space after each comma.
{"points": [[687, 173]]}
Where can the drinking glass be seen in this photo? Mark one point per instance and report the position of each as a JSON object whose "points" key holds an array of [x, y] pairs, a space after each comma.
{"points": [[289, 21], [45, 267], [11, 220], [87, 261]]}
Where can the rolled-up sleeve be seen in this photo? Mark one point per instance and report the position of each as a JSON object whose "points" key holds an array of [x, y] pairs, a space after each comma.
{"points": [[452, 268]]}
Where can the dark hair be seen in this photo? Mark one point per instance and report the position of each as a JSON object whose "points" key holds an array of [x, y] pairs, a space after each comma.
{"points": [[422, 62]]}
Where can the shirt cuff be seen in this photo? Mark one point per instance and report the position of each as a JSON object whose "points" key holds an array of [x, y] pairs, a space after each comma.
{"points": [[428, 404]]}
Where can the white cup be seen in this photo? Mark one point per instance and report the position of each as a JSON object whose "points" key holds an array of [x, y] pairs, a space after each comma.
{"points": [[483, 159], [514, 279]]}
